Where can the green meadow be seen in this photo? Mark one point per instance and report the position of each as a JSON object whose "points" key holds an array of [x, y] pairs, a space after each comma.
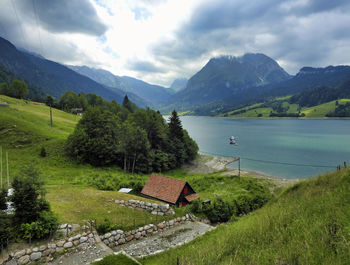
{"points": [[308, 223]]}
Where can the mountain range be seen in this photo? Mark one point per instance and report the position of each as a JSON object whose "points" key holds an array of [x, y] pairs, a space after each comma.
{"points": [[153, 94], [224, 84]]}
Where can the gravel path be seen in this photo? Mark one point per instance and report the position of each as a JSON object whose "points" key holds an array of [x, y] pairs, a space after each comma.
{"points": [[85, 255], [159, 242]]}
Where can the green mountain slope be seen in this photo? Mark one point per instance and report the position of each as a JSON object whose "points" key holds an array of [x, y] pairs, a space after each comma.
{"points": [[281, 107], [308, 223], [53, 78]]}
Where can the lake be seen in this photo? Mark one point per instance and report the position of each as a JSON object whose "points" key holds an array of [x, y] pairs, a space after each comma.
{"points": [[324, 143]]}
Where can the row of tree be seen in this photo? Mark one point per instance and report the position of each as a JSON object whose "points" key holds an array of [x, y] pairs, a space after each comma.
{"points": [[137, 140]]}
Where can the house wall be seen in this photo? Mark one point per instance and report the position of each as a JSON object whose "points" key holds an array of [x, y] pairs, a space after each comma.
{"points": [[182, 195]]}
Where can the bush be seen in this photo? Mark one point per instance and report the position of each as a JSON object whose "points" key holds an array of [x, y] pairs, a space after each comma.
{"points": [[43, 152], [106, 227], [3, 194], [41, 228], [5, 229], [219, 211]]}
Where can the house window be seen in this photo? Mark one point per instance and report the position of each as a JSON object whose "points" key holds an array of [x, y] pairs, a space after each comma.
{"points": [[185, 190]]}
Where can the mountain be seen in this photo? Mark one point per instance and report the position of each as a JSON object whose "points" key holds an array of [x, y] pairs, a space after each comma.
{"points": [[54, 78], [179, 84], [151, 93], [228, 76]]}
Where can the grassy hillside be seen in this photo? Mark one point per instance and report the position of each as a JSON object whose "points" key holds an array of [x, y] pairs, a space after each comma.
{"points": [[25, 129], [264, 109], [308, 223]]}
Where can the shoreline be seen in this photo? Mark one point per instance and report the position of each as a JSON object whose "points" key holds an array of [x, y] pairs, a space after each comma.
{"points": [[205, 164]]}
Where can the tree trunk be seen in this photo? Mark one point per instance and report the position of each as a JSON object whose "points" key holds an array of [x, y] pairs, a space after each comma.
{"points": [[133, 163], [124, 162]]}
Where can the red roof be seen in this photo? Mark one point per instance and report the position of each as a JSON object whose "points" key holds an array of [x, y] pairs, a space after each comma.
{"points": [[192, 197], [163, 188]]}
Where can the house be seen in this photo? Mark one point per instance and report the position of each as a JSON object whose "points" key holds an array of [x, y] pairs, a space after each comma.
{"points": [[173, 191]]}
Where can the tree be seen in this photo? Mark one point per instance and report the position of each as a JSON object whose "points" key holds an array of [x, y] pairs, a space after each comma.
{"points": [[49, 100], [175, 126], [96, 138], [18, 89], [129, 105], [28, 198], [3, 194]]}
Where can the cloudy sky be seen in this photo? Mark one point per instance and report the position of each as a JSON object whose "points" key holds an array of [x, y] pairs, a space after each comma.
{"points": [[160, 40]]}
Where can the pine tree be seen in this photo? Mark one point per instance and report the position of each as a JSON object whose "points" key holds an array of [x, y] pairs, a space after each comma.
{"points": [[175, 126]]}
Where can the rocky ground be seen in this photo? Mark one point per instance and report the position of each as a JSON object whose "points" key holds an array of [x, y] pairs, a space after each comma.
{"points": [[85, 255], [204, 164], [173, 237]]}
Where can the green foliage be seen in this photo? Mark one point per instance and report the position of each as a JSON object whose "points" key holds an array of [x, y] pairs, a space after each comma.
{"points": [[119, 259], [306, 224], [105, 227], [28, 198], [5, 229], [221, 209], [218, 211], [112, 182], [43, 152], [139, 142], [17, 89], [42, 228], [96, 138], [3, 194], [49, 100], [341, 110], [130, 106]]}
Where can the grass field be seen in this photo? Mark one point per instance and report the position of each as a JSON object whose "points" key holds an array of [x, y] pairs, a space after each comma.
{"points": [[323, 109], [74, 204], [25, 128], [308, 223], [255, 110]]}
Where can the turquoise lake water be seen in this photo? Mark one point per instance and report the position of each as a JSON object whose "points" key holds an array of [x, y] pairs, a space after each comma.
{"points": [[321, 142]]}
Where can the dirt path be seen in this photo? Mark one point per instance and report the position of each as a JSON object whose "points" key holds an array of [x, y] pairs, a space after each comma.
{"points": [[173, 237]]}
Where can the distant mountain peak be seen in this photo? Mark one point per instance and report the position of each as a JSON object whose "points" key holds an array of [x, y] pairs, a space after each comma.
{"points": [[179, 84]]}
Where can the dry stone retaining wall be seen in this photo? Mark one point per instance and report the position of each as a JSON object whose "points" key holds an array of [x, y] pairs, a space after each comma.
{"points": [[119, 237], [29, 255], [153, 208]]}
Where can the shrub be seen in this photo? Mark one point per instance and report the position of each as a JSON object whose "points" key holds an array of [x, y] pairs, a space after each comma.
{"points": [[43, 152], [46, 224], [219, 211], [105, 227], [5, 229], [3, 194]]}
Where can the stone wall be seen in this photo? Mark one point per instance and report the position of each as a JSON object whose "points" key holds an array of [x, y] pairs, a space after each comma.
{"points": [[153, 208], [119, 237], [25, 256], [85, 240]]}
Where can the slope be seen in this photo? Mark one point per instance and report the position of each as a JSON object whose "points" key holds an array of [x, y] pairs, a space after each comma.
{"points": [[308, 223], [151, 93], [52, 77]]}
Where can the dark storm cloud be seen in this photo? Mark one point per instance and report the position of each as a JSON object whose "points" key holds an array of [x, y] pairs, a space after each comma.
{"points": [[296, 32], [144, 66], [32, 25], [67, 16]]}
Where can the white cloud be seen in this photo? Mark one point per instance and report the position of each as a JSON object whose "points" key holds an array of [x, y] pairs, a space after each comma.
{"points": [[160, 40]]}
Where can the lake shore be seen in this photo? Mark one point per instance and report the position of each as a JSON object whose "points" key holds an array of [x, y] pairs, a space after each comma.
{"points": [[204, 164]]}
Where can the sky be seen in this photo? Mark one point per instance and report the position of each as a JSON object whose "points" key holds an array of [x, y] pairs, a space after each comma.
{"points": [[161, 40]]}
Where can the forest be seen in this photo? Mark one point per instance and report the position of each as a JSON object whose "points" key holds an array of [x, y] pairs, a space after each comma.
{"points": [[137, 140]]}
